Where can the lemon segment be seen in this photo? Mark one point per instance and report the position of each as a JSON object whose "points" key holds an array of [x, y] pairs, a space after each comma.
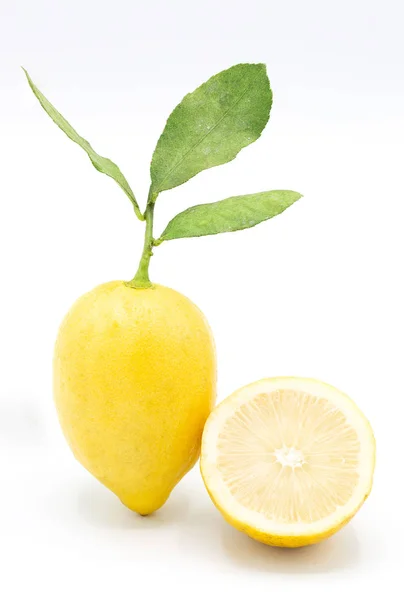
{"points": [[288, 460]]}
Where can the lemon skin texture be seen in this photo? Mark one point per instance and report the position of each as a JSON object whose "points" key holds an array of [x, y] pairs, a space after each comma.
{"points": [[134, 382]]}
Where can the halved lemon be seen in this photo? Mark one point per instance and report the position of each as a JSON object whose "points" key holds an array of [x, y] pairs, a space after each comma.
{"points": [[287, 460]]}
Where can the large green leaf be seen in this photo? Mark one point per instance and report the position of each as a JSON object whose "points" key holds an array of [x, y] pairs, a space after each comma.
{"points": [[212, 124], [104, 165], [232, 214]]}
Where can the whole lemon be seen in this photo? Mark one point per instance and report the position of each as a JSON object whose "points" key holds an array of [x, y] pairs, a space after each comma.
{"points": [[134, 382]]}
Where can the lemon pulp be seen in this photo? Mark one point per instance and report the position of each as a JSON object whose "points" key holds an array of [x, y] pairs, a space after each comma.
{"points": [[288, 460]]}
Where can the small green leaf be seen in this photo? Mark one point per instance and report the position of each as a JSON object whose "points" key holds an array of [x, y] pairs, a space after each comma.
{"points": [[232, 214], [104, 165], [211, 125]]}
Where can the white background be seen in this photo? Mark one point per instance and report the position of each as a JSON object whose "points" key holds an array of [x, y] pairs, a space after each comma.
{"points": [[315, 292]]}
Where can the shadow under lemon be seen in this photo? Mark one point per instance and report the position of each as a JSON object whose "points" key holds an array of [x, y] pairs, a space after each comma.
{"points": [[203, 530], [340, 552]]}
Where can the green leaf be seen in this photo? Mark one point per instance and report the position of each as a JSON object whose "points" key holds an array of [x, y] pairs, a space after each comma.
{"points": [[232, 214], [104, 165], [211, 125]]}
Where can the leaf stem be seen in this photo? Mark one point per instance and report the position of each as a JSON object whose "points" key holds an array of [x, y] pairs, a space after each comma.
{"points": [[141, 280], [137, 210]]}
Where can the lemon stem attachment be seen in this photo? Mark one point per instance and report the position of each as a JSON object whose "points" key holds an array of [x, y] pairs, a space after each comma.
{"points": [[141, 279]]}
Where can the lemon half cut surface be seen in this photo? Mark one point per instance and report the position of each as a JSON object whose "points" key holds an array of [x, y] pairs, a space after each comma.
{"points": [[288, 460]]}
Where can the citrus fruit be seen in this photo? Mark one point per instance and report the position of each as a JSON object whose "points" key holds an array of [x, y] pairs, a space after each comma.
{"points": [[287, 460], [134, 381]]}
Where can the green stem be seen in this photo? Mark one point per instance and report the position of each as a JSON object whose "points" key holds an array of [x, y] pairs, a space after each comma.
{"points": [[137, 210], [141, 279]]}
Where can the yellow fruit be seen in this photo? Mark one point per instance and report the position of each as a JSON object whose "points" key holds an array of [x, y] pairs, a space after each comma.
{"points": [[288, 461], [134, 381]]}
